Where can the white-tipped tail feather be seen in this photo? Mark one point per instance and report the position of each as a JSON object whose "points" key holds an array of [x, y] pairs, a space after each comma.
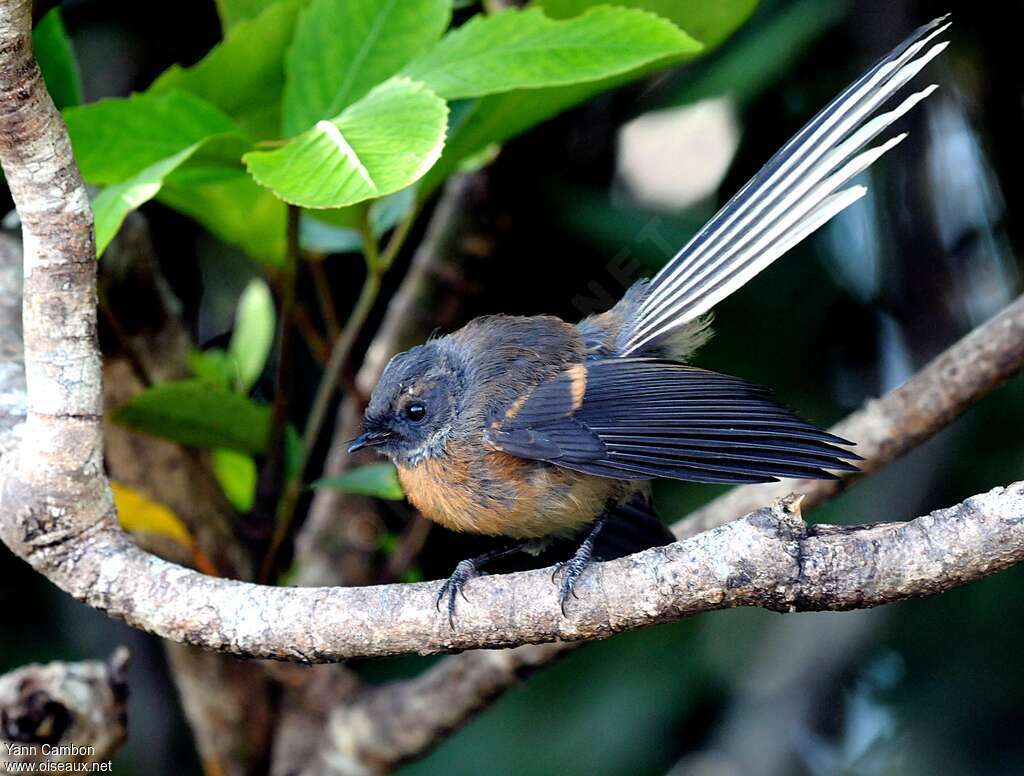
{"points": [[791, 196]]}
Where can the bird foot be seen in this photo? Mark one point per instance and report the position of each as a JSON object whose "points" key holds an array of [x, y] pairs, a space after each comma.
{"points": [[454, 585], [571, 570]]}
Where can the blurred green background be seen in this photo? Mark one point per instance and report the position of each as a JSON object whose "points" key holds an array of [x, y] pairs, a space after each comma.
{"points": [[923, 687]]}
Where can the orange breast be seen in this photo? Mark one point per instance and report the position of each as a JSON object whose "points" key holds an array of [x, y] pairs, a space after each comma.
{"points": [[501, 495]]}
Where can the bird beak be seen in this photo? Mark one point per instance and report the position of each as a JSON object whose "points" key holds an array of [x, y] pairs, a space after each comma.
{"points": [[369, 439]]}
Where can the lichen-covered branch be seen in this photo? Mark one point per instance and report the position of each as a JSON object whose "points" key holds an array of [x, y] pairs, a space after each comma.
{"points": [[64, 712]]}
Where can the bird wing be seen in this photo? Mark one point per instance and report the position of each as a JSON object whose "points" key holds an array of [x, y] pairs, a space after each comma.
{"points": [[794, 194], [641, 418]]}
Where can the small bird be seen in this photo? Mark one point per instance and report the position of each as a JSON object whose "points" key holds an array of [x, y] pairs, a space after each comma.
{"points": [[534, 429]]}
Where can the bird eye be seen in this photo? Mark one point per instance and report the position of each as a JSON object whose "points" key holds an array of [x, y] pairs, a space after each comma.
{"points": [[415, 412]]}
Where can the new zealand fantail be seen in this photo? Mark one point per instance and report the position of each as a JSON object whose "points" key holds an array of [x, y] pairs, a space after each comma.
{"points": [[532, 428]]}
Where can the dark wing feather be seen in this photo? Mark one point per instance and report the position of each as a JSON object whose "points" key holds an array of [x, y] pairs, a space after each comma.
{"points": [[639, 418]]}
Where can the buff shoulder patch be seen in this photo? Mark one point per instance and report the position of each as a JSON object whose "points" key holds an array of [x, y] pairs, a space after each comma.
{"points": [[554, 400]]}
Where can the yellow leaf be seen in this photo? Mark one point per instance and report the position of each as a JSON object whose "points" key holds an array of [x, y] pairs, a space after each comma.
{"points": [[139, 514]]}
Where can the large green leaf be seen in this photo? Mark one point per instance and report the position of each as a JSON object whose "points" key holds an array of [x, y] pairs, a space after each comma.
{"points": [[378, 145], [497, 118], [343, 48], [56, 58], [200, 414], [243, 75], [114, 203], [709, 22], [379, 480], [235, 209], [527, 50], [253, 335], [117, 138]]}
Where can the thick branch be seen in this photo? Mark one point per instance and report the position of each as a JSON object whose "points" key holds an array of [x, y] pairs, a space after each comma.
{"points": [[766, 559], [64, 712]]}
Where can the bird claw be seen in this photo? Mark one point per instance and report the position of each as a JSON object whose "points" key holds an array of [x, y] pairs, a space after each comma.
{"points": [[454, 587], [570, 570]]}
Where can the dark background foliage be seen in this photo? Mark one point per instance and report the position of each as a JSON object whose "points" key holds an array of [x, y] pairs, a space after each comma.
{"points": [[922, 687]]}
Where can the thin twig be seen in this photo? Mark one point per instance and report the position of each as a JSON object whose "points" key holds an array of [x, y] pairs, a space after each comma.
{"points": [[283, 375], [397, 239], [322, 286], [411, 542], [315, 342], [272, 474]]}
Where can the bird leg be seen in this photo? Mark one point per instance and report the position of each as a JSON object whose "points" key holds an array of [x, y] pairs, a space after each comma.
{"points": [[574, 567], [465, 571]]}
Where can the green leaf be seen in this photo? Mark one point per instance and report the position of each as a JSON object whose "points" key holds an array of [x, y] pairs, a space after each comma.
{"points": [[379, 480], [234, 12], [236, 473], [115, 139], [494, 119], [244, 75], [709, 22], [236, 210], [112, 205], [56, 58], [378, 145], [343, 48], [527, 50], [199, 414], [253, 335]]}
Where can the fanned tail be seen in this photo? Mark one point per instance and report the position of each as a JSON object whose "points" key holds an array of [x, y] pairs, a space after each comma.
{"points": [[794, 194]]}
